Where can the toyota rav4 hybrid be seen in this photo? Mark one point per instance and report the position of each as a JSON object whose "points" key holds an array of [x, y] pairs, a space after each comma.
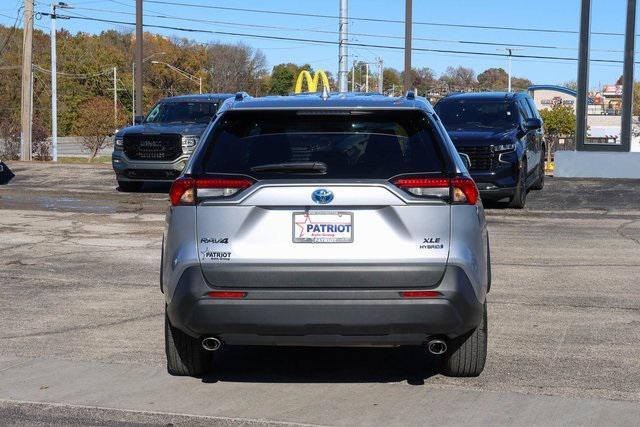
{"points": [[501, 134], [333, 220], [158, 147]]}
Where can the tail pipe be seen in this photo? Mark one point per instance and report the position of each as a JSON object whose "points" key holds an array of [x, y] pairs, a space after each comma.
{"points": [[437, 346], [211, 344]]}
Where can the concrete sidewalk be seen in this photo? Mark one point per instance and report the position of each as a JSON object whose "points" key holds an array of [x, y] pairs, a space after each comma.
{"points": [[147, 390]]}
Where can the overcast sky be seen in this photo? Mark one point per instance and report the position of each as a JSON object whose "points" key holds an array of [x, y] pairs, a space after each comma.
{"points": [[608, 16]]}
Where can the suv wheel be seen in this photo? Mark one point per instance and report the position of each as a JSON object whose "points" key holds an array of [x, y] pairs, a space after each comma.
{"points": [[539, 184], [185, 355], [519, 198], [467, 354], [130, 186]]}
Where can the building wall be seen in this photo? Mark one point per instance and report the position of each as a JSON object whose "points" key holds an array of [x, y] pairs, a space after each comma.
{"points": [[546, 99]]}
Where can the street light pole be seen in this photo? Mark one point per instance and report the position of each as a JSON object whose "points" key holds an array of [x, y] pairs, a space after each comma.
{"points": [[54, 78], [138, 61], [408, 28]]}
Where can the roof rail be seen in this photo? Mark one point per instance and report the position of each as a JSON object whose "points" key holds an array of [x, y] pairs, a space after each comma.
{"points": [[410, 95], [241, 96]]}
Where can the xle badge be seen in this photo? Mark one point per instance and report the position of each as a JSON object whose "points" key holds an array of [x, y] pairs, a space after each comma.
{"points": [[431, 243]]}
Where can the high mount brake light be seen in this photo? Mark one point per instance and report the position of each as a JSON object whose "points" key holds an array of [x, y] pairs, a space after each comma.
{"points": [[184, 190], [461, 190]]}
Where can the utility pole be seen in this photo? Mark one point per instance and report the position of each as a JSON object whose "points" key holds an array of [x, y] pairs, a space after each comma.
{"points": [[509, 51], [27, 77], [139, 109], [343, 57], [408, 26], [115, 96], [381, 76]]}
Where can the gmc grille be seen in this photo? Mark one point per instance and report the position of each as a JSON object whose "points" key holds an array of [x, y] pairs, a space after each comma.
{"points": [[153, 147], [482, 158]]}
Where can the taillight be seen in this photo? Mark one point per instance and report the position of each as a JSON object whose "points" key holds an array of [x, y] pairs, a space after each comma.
{"points": [[184, 191], [461, 190], [464, 191]]}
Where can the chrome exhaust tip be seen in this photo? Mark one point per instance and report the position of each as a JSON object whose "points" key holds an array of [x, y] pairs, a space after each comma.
{"points": [[437, 347], [211, 344]]}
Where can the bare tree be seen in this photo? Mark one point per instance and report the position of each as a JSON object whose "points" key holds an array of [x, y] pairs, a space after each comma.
{"points": [[460, 78], [234, 68], [95, 124]]}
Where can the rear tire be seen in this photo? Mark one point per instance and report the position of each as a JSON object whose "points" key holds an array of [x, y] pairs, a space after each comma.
{"points": [[130, 186], [519, 198], [467, 354], [185, 355], [539, 184]]}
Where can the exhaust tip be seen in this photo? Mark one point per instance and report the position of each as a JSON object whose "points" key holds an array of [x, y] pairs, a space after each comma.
{"points": [[211, 344], [437, 347]]}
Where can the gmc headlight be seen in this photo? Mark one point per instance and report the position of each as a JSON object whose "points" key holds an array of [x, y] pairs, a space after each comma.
{"points": [[504, 147], [190, 141], [118, 141]]}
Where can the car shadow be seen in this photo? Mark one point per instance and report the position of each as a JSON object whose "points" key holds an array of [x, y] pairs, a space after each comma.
{"points": [[150, 187], [323, 365], [496, 204]]}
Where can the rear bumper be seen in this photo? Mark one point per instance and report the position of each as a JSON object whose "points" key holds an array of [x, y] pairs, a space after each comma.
{"points": [[325, 317]]}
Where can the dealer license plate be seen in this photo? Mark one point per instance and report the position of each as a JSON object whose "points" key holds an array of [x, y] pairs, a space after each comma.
{"points": [[322, 227]]}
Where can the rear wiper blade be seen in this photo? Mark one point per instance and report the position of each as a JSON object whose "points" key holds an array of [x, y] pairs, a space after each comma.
{"points": [[293, 167]]}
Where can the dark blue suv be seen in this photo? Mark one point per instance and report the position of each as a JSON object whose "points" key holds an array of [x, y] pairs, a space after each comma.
{"points": [[501, 135]]}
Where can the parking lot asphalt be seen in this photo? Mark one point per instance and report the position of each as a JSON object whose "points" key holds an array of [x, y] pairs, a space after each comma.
{"points": [[81, 339]]}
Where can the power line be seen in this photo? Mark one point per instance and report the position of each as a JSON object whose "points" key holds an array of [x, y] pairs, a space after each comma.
{"points": [[11, 31], [328, 42], [307, 30], [379, 20]]}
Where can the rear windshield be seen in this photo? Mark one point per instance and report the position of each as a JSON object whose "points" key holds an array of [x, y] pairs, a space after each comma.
{"points": [[182, 112], [477, 114], [367, 145]]}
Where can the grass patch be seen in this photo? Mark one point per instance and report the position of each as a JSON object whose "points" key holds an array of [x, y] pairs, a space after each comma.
{"points": [[84, 160]]}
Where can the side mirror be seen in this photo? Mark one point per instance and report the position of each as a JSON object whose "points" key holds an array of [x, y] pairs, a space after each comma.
{"points": [[466, 160], [533, 124], [138, 119]]}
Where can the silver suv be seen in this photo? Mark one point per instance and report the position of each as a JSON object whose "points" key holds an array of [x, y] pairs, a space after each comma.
{"points": [[325, 220]]}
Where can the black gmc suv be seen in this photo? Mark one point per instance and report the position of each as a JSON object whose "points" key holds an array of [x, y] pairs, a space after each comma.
{"points": [[501, 134], [157, 147]]}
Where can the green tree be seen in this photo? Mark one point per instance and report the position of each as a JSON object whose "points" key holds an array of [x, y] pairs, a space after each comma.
{"points": [[493, 79], [391, 81], [520, 84], [281, 80], [559, 121]]}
